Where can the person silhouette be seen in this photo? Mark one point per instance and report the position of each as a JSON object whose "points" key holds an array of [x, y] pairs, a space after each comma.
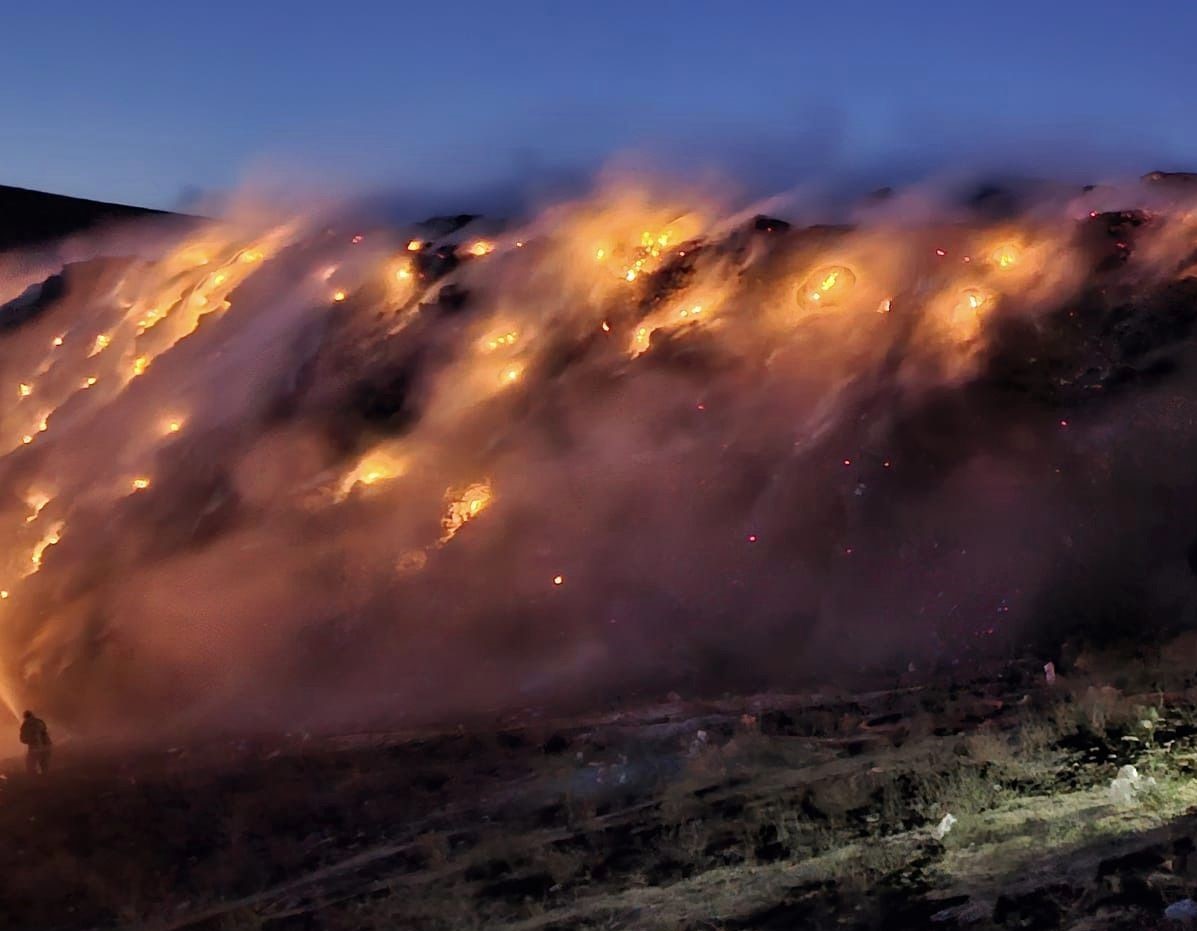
{"points": [[36, 736]]}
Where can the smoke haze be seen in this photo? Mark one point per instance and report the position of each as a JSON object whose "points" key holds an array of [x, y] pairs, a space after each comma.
{"points": [[288, 467]]}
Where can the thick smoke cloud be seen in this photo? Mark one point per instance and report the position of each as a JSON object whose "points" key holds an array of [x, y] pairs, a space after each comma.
{"points": [[282, 468]]}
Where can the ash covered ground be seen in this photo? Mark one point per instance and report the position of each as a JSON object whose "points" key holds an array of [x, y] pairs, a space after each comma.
{"points": [[482, 493]]}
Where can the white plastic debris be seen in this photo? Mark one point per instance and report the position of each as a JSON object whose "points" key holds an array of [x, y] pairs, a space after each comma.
{"points": [[1049, 672], [1185, 910], [941, 830], [1127, 785]]}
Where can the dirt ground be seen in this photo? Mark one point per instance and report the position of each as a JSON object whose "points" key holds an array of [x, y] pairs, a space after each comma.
{"points": [[749, 812]]}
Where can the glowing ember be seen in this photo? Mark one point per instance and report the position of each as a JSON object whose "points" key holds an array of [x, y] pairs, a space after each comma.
{"points": [[25, 390], [415, 245], [558, 579], [511, 374], [140, 364], [58, 341], [827, 286], [380, 465], [140, 484], [505, 339], [89, 381], [100, 344], [464, 506], [53, 535], [338, 296], [482, 247], [1006, 256]]}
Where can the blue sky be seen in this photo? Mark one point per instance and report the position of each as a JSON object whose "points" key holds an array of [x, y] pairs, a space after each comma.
{"points": [[138, 101]]}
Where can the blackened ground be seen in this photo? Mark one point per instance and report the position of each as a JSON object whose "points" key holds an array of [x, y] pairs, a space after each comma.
{"points": [[764, 812]]}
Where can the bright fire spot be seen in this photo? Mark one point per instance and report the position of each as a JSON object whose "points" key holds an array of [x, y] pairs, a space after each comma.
{"points": [[885, 306], [3, 592], [89, 381], [219, 278], [27, 439], [606, 327], [967, 313], [641, 340], [975, 299], [250, 255], [53, 535], [464, 506], [558, 579], [828, 285], [403, 273], [140, 364], [100, 344], [58, 340], [172, 426], [504, 339], [338, 296], [414, 245], [511, 374], [600, 254], [356, 239], [43, 425], [25, 390], [482, 247], [1006, 256], [375, 467], [631, 275], [140, 484]]}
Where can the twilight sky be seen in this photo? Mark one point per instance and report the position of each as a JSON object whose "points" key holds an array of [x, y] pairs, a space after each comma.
{"points": [[141, 101]]}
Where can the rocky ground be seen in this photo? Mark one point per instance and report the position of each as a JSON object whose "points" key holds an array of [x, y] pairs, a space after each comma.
{"points": [[764, 812]]}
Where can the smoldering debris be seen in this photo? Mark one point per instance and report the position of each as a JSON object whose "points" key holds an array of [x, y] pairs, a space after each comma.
{"points": [[272, 467]]}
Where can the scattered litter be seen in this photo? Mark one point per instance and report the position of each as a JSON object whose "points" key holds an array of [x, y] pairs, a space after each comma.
{"points": [[1185, 910], [1126, 786], [1049, 672], [941, 829]]}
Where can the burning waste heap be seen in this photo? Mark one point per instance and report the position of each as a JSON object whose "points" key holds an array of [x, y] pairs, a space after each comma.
{"points": [[278, 470]]}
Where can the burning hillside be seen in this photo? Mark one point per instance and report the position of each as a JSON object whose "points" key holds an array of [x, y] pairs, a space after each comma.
{"points": [[316, 471]]}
